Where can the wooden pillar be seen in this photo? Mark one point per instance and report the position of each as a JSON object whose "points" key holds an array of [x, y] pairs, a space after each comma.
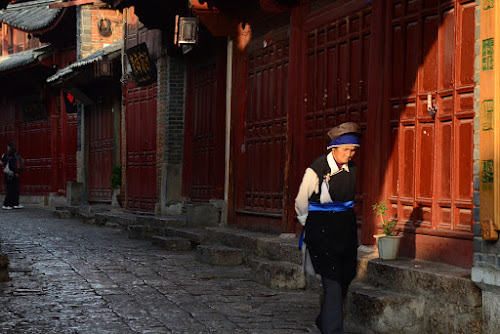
{"points": [[293, 175], [64, 140], [378, 129], [489, 123], [237, 108]]}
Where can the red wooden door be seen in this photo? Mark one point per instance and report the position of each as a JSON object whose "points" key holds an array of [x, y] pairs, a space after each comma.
{"points": [[71, 146], [100, 119], [141, 147], [260, 168], [335, 86], [430, 159], [35, 146], [204, 135]]}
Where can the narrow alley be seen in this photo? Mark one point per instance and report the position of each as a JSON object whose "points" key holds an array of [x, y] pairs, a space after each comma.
{"points": [[68, 277]]}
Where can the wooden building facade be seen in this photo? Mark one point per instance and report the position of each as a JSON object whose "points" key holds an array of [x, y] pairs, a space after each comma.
{"points": [[404, 71], [33, 116], [269, 78]]}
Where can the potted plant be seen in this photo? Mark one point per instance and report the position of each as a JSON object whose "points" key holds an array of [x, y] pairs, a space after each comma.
{"points": [[387, 243], [116, 183]]}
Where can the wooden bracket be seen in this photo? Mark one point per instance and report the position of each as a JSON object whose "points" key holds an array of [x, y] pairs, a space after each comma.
{"points": [[488, 230]]}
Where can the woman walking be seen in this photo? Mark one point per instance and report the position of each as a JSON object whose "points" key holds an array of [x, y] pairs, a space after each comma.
{"points": [[11, 177], [324, 205]]}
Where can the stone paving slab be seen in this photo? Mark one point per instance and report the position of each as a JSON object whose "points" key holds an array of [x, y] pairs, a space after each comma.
{"points": [[70, 277]]}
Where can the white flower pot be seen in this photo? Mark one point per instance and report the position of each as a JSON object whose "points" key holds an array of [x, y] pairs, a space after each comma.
{"points": [[388, 246]]}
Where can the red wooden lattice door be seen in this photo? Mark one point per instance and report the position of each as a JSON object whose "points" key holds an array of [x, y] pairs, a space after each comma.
{"points": [[335, 88], [141, 147], [259, 196], [101, 142], [35, 145], [430, 167], [205, 134], [71, 145]]}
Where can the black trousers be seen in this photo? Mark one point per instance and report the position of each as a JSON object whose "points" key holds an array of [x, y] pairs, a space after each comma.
{"points": [[331, 317], [12, 196]]}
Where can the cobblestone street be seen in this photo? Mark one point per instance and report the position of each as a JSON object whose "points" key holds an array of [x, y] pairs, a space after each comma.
{"points": [[68, 277]]}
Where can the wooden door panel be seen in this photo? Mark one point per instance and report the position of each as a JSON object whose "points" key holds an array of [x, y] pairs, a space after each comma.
{"points": [[207, 179], [35, 145], [264, 126], [411, 58], [408, 170], [429, 69], [71, 146], [141, 148], [447, 50], [466, 43], [445, 150], [426, 165], [463, 167], [433, 190], [101, 146]]}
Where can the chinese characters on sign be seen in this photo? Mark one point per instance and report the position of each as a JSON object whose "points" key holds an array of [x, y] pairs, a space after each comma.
{"points": [[487, 115], [143, 69], [488, 4], [487, 175], [487, 54]]}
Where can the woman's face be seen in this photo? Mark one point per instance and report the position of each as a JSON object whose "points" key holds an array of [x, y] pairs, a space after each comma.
{"points": [[344, 154]]}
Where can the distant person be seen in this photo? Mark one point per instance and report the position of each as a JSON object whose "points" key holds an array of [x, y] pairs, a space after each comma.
{"points": [[11, 177], [324, 205]]}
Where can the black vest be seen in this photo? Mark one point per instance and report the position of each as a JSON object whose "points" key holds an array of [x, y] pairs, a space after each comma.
{"points": [[342, 185]]}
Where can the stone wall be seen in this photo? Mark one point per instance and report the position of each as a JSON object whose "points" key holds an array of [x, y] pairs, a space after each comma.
{"points": [[174, 128]]}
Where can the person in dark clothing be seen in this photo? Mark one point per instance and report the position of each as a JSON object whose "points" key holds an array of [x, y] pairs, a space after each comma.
{"points": [[324, 205], [11, 177]]}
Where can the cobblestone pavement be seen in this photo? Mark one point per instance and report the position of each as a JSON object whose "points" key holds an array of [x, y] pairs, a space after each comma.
{"points": [[68, 277]]}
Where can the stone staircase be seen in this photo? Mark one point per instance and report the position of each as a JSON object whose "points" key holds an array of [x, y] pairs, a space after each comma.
{"points": [[275, 261], [400, 296], [411, 296], [167, 232]]}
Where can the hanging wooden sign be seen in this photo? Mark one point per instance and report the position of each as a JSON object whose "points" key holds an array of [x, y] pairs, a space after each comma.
{"points": [[143, 69]]}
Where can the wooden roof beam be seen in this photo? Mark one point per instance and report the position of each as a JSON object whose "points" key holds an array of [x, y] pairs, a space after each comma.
{"points": [[73, 3]]}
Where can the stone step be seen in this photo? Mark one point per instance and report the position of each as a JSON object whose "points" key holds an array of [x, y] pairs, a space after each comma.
{"points": [[452, 301], [172, 243], [277, 274], [416, 277], [377, 310], [262, 245], [202, 215], [84, 212], [4, 268], [137, 231], [63, 214], [159, 222], [114, 220], [195, 235], [219, 255]]}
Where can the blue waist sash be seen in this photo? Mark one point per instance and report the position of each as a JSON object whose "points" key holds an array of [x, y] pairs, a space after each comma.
{"points": [[336, 206]]}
